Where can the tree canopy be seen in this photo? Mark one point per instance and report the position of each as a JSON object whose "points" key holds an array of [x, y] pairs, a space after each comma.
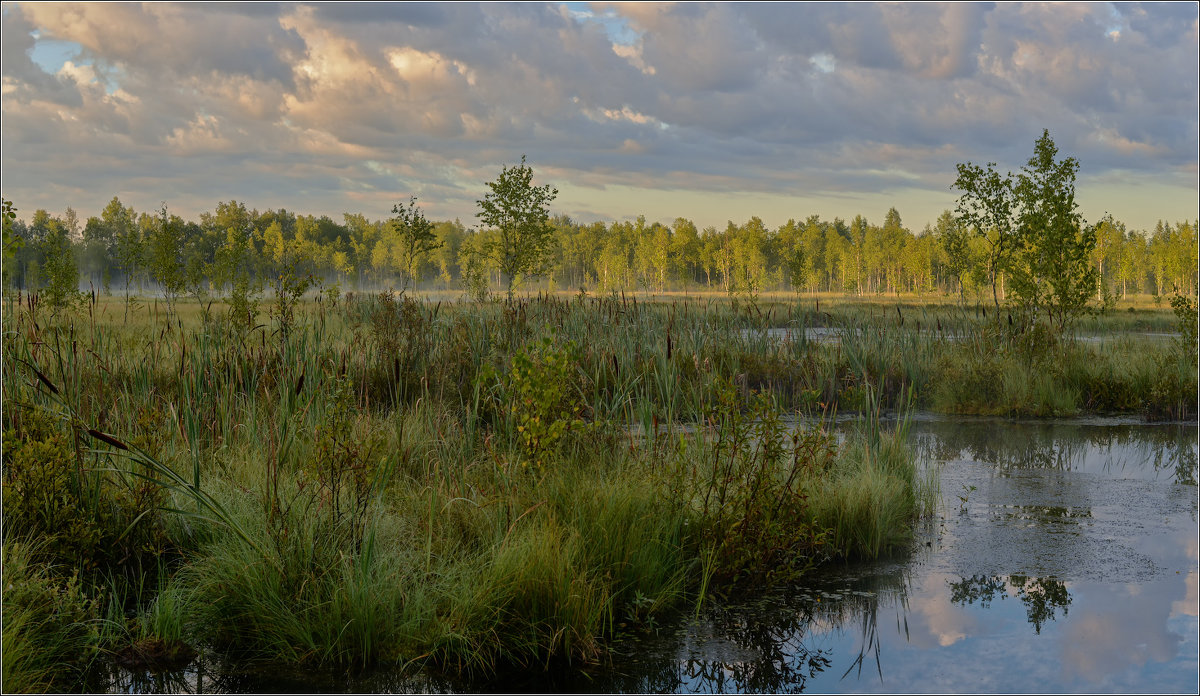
{"points": [[519, 213]]}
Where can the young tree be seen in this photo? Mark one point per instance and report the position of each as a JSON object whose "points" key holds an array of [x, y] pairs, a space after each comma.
{"points": [[957, 246], [1052, 268], [517, 210], [164, 258], [62, 275], [12, 241], [127, 243], [415, 238], [233, 267], [987, 207]]}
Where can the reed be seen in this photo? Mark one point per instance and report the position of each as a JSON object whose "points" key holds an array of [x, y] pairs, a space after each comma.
{"points": [[476, 485]]}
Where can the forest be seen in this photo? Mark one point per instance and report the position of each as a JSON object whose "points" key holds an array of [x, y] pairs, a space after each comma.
{"points": [[238, 246]]}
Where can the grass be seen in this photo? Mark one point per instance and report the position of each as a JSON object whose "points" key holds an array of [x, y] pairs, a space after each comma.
{"points": [[475, 486], [50, 635]]}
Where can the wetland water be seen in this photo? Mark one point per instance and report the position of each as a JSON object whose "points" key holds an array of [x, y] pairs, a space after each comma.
{"points": [[1062, 558]]}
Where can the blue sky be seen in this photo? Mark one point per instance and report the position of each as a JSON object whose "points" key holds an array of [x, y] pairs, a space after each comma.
{"points": [[712, 112]]}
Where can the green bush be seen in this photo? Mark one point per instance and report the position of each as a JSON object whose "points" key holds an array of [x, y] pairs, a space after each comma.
{"points": [[748, 488], [50, 627], [1186, 316], [85, 519], [538, 399]]}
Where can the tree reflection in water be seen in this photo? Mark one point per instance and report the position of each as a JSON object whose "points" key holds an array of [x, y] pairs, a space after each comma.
{"points": [[777, 635], [1042, 597], [1125, 448]]}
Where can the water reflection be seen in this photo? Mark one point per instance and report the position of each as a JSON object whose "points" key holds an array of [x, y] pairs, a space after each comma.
{"points": [[778, 644], [1086, 526], [1123, 450], [1042, 597]]}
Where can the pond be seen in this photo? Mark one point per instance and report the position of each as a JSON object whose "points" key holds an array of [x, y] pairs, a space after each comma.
{"points": [[1063, 558]]}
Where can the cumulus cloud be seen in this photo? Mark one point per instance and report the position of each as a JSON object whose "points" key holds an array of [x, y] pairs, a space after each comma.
{"points": [[288, 103]]}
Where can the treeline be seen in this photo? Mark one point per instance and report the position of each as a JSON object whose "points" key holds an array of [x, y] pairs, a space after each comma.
{"points": [[236, 247]]}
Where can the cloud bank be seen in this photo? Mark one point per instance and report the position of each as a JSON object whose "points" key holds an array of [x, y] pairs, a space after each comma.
{"points": [[327, 108]]}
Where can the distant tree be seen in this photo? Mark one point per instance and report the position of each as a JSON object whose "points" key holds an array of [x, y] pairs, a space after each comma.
{"points": [[859, 230], [12, 241], [685, 248], [61, 272], [126, 242], [751, 258], [518, 211], [795, 264], [70, 221], [450, 236], [233, 268], [475, 265], [956, 244], [660, 257], [415, 238], [1110, 234], [892, 245], [164, 256], [710, 251]]}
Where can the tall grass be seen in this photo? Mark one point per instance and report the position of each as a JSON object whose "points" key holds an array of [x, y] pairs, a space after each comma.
{"points": [[382, 486], [50, 635]]}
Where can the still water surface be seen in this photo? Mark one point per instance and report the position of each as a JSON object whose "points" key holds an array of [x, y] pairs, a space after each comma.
{"points": [[1063, 558]]}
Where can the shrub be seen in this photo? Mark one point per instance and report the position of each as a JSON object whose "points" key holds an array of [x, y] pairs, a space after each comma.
{"points": [[84, 520], [748, 487], [538, 399], [50, 629]]}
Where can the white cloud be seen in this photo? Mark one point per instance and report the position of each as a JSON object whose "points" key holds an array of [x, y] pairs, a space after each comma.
{"points": [[830, 99]]}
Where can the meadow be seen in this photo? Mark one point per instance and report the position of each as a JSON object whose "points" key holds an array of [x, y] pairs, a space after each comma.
{"points": [[374, 480]]}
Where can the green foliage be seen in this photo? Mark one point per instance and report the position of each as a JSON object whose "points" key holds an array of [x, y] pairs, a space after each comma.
{"points": [[12, 242], [1186, 315], [1052, 267], [518, 211], [83, 519], [163, 254], [746, 259], [50, 628], [538, 398], [416, 237], [955, 240], [986, 206], [61, 273], [302, 547], [233, 266], [749, 488], [1034, 233]]}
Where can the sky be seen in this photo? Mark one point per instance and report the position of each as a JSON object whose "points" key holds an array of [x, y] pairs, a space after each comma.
{"points": [[712, 112]]}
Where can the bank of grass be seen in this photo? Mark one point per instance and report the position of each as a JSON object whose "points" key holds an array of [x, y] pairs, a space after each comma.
{"points": [[478, 485], [51, 628]]}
